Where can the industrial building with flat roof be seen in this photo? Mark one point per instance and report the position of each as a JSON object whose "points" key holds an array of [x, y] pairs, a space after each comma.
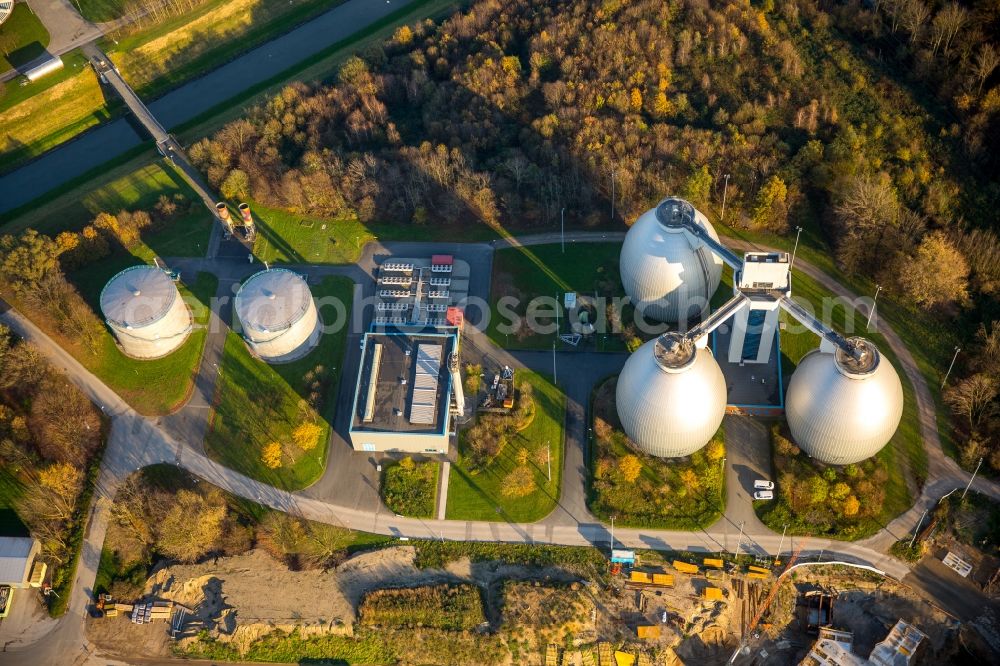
{"points": [[403, 395]]}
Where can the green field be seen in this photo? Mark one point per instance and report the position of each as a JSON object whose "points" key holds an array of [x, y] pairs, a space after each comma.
{"points": [[546, 271], [160, 385], [477, 495], [124, 188], [27, 38], [296, 238], [257, 403], [10, 492]]}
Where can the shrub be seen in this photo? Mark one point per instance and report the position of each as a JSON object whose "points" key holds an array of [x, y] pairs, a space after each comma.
{"points": [[408, 488], [519, 482], [306, 435], [451, 607], [271, 455]]}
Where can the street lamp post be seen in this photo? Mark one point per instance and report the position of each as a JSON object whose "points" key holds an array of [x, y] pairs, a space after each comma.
{"points": [[917, 530], [868, 325], [725, 192], [952, 365], [562, 228], [969, 484], [798, 232], [777, 555]]}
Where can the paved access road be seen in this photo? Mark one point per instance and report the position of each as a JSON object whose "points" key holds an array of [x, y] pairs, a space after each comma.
{"points": [[105, 142]]}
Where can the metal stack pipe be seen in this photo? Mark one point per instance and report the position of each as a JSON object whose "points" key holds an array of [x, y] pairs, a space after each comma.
{"points": [[223, 210]]}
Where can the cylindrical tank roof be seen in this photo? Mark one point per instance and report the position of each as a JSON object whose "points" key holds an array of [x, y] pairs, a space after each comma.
{"points": [[671, 396], [272, 300], [843, 409], [669, 275], [138, 296]]}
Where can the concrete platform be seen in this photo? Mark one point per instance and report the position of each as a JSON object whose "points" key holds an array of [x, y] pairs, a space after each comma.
{"points": [[754, 388]]}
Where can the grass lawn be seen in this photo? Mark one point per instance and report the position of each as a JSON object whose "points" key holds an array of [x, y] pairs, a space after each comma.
{"points": [[525, 273], [10, 492], [48, 112], [410, 488], [684, 494], [295, 238], [129, 187], [30, 37], [156, 386], [257, 403], [477, 494]]}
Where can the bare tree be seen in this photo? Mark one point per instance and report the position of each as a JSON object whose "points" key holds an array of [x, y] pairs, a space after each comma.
{"points": [[973, 398], [986, 61], [914, 15], [946, 25]]}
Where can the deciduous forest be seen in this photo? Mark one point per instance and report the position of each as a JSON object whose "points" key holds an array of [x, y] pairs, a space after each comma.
{"points": [[873, 124]]}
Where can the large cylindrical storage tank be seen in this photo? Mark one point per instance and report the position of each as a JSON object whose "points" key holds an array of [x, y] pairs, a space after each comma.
{"points": [[671, 396], [667, 273], [277, 314], [145, 312], [842, 409]]}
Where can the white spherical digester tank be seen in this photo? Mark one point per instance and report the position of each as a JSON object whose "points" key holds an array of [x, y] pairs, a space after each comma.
{"points": [[671, 396], [842, 409], [667, 273], [146, 313], [277, 314]]}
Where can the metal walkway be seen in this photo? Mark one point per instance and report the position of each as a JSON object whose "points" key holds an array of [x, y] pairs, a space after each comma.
{"points": [[166, 144]]}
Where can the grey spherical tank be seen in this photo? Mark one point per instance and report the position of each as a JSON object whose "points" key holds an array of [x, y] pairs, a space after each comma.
{"points": [[843, 408], [671, 396], [667, 273]]}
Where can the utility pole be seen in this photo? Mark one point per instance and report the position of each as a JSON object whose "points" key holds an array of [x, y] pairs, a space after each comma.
{"points": [[555, 375], [781, 543], [868, 326], [969, 484], [725, 192], [917, 530], [945, 380], [740, 542], [562, 228], [798, 232], [612, 531]]}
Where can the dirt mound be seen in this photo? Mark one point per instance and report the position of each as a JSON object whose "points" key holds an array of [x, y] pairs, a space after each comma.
{"points": [[241, 599]]}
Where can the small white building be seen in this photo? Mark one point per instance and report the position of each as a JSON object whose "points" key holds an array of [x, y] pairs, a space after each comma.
{"points": [[17, 554], [145, 312], [277, 315]]}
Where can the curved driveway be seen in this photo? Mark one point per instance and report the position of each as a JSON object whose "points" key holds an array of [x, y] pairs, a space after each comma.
{"points": [[137, 441], [108, 141]]}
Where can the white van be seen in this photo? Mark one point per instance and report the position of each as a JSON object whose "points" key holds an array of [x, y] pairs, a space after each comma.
{"points": [[761, 484]]}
